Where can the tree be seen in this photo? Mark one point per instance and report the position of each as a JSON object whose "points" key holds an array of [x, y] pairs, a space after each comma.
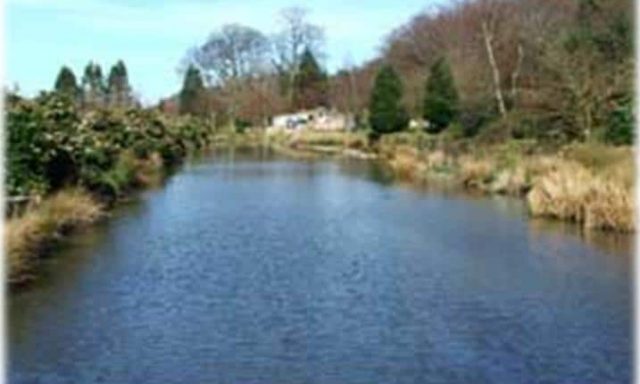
{"points": [[66, 83], [310, 84], [193, 93], [93, 87], [620, 123], [386, 113], [296, 36], [118, 88], [231, 57], [440, 106]]}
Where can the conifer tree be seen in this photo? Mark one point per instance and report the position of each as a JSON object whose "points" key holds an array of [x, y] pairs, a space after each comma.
{"points": [[66, 83], [386, 112], [93, 86], [193, 93], [310, 84], [440, 106], [118, 88]]}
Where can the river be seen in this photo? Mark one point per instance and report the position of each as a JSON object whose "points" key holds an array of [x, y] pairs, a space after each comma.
{"points": [[250, 268]]}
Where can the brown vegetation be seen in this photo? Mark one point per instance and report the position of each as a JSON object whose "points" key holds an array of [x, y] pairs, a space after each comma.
{"points": [[27, 236]]}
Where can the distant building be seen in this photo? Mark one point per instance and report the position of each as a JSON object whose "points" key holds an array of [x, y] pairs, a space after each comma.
{"points": [[318, 119], [418, 124]]}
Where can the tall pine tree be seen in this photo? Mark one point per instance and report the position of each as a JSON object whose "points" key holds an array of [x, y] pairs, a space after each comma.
{"points": [[310, 84], [118, 89], [66, 83], [193, 93], [386, 112], [440, 107], [93, 86]]}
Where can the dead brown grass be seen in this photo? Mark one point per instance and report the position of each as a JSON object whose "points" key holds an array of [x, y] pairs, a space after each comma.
{"points": [[475, 172], [406, 163], [597, 200], [27, 235], [591, 184]]}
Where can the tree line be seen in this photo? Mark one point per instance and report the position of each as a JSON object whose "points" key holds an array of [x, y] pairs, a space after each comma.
{"points": [[243, 75], [94, 90], [543, 69]]}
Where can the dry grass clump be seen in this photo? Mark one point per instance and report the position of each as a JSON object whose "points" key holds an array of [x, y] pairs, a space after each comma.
{"points": [[597, 156], [27, 235], [406, 163], [573, 192], [611, 207], [511, 181], [475, 172], [562, 193], [329, 139], [437, 159]]}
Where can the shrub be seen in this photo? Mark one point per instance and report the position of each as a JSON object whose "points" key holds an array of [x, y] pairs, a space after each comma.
{"points": [[52, 144], [620, 126]]}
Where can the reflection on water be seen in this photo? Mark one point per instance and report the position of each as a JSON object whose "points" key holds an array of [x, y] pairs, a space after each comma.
{"points": [[611, 242], [253, 269]]}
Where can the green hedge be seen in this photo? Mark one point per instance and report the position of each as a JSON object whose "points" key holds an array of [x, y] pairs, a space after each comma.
{"points": [[52, 143]]}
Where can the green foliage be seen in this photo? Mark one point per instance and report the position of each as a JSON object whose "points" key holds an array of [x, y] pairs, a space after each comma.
{"points": [[52, 144], [93, 85], [440, 107], [193, 93], [310, 84], [386, 112], [66, 83], [620, 127], [118, 88], [605, 26]]}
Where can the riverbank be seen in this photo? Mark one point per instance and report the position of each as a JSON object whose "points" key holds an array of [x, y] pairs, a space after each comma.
{"points": [[30, 236], [247, 240], [67, 166], [590, 184]]}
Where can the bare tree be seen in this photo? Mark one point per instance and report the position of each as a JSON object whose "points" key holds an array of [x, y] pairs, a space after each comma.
{"points": [[230, 57], [235, 52], [296, 35]]}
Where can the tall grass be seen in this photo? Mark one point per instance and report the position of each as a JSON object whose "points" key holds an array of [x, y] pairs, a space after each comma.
{"points": [[27, 236], [353, 140], [594, 199], [590, 184]]}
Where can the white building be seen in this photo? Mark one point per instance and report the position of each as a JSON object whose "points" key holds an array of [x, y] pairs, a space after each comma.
{"points": [[319, 119]]}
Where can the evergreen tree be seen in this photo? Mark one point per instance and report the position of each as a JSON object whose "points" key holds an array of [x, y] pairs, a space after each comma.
{"points": [[66, 83], [93, 85], [118, 88], [619, 130], [386, 113], [310, 84], [193, 93], [440, 107]]}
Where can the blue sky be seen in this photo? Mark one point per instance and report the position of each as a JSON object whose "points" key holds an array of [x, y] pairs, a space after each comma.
{"points": [[151, 36]]}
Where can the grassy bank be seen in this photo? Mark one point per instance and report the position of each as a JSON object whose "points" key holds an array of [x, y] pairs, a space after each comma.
{"points": [[28, 236], [590, 184]]}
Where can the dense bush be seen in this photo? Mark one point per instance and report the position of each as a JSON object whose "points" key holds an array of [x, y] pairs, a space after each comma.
{"points": [[51, 144], [620, 127]]}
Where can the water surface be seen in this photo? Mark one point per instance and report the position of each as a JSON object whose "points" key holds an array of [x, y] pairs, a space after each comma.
{"points": [[253, 269]]}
